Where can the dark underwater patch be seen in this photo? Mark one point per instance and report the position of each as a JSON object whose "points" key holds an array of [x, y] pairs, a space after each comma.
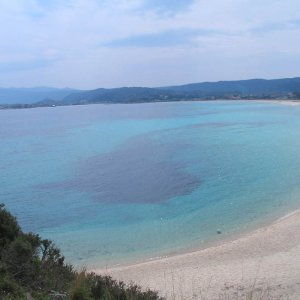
{"points": [[141, 171]]}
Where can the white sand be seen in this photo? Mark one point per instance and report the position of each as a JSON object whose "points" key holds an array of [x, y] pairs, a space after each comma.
{"points": [[264, 264]]}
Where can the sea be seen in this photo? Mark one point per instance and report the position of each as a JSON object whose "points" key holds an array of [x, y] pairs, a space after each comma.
{"points": [[121, 183]]}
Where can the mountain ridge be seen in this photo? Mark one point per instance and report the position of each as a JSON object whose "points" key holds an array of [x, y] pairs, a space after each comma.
{"points": [[284, 88]]}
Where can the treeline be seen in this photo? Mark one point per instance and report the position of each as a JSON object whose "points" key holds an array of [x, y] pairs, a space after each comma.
{"points": [[284, 89], [152, 99], [32, 268]]}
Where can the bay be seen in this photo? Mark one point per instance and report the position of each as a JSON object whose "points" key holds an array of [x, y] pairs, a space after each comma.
{"points": [[114, 184]]}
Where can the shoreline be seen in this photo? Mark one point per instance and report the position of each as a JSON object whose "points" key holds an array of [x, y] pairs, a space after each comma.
{"points": [[223, 238], [295, 102], [259, 263], [266, 260]]}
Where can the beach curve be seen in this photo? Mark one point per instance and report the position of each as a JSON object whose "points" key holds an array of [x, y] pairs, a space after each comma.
{"points": [[262, 264]]}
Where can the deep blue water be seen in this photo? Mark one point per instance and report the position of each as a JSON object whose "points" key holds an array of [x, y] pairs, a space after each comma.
{"points": [[117, 183]]}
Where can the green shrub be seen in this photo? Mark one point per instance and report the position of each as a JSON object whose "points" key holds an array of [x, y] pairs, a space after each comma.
{"points": [[32, 266], [80, 289], [9, 289], [9, 228]]}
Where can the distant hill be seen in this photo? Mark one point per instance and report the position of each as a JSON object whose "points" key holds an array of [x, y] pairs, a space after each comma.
{"points": [[251, 87], [241, 89], [119, 95], [287, 88], [31, 95]]}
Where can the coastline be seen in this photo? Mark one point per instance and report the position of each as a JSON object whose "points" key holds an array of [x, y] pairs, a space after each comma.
{"points": [[135, 270], [264, 262], [295, 102]]}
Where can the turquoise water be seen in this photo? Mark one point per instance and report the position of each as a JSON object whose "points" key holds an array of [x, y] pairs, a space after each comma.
{"points": [[113, 184]]}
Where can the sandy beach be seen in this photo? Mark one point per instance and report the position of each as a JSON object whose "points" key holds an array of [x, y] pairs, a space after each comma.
{"points": [[263, 264]]}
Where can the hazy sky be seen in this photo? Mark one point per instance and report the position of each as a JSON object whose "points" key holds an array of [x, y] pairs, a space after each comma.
{"points": [[108, 43]]}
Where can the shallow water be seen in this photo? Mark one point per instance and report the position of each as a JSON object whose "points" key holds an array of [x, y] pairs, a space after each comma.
{"points": [[116, 183]]}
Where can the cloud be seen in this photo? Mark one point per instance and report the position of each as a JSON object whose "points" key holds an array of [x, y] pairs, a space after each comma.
{"points": [[179, 37], [93, 43], [25, 65], [276, 26], [165, 6]]}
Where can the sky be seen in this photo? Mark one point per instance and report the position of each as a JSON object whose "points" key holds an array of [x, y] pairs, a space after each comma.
{"points": [[89, 44]]}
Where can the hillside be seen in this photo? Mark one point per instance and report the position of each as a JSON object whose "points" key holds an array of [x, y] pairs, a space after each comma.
{"points": [[32, 268], [121, 95], [252, 89], [287, 88]]}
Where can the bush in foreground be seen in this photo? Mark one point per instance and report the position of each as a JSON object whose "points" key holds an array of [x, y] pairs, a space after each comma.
{"points": [[33, 268]]}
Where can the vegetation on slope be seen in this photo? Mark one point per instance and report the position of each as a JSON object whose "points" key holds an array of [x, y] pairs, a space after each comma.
{"points": [[240, 89], [33, 268], [286, 88]]}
